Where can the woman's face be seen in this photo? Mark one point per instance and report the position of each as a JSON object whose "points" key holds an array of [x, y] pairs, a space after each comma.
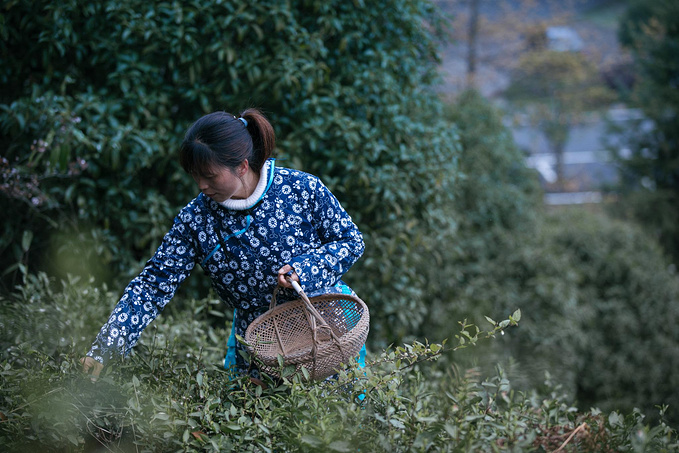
{"points": [[221, 183]]}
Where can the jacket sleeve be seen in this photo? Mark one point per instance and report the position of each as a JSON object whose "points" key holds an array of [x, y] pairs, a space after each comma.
{"points": [[146, 295], [341, 243]]}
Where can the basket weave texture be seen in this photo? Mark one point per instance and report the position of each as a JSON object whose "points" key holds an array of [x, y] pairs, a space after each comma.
{"points": [[318, 334]]}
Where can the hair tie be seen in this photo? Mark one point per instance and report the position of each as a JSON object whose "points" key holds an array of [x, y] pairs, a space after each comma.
{"points": [[244, 121]]}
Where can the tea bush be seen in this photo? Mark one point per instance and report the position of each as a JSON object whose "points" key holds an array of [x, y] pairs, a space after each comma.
{"points": [[603, 286], [175, 396], [496, 201], [627, 309], [601, 311]]}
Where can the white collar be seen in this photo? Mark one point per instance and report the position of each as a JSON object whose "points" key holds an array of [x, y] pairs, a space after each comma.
{"points": [[265, 179]]}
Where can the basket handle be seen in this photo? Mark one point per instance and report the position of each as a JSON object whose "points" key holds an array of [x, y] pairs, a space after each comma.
{"points": [[316, 316], [313, 316], [288, 277]]}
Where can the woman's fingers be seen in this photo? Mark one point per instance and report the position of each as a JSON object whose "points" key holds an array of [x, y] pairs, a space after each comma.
{"points": [[91, 367], [285, 272]]}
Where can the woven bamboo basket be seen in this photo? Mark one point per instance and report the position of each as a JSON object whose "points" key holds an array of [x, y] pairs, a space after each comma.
{"points": [[319, 334]]}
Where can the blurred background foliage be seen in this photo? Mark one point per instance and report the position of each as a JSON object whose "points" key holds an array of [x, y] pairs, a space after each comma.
{"points": [[650, 163], [555, 90], [94, 101]]}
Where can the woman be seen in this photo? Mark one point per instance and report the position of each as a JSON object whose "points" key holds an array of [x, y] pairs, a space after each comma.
{"points": [[252, 224]]}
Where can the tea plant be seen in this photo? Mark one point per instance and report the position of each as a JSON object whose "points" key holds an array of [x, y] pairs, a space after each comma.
{"points": [[172, 394]]}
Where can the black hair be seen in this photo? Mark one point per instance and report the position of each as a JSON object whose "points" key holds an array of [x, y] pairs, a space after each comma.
{"points": [[222, 139]]}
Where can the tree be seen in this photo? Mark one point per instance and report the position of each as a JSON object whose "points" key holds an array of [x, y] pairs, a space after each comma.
{"points": [[555, 90], [650, 173], [490, 36]]}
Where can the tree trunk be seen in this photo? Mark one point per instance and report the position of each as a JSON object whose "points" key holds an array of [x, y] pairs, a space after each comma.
{"points": [[472, 41], [558, 154]]}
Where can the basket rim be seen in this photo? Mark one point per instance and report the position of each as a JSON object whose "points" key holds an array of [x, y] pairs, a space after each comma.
{"points": [[286, 306]]}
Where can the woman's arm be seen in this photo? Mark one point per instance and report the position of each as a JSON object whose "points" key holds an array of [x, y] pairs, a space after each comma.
{"points": [[144, 298], [342, 243]]}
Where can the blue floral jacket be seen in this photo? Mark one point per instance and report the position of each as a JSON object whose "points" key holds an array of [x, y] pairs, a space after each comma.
{"points": [[292, 218]]}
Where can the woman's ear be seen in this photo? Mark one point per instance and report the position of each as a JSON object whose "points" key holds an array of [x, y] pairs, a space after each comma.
{"points": [[243, 168]]}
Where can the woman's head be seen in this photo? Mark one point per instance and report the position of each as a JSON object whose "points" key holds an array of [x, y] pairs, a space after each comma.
{"points": [[221, 139]]}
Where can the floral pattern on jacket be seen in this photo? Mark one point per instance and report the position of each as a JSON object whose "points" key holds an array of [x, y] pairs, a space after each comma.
{"points": [[297, 221]]}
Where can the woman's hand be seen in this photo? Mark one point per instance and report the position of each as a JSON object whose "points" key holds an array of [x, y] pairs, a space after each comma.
{"points": [[91, 367], [286, 271]]}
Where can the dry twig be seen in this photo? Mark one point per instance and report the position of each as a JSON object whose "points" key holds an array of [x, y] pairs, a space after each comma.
{"points": [[582, 427]]}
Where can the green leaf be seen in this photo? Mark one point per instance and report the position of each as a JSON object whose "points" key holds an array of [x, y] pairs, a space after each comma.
{"points": [[516, 316], [396, 423], [615, 420], [26, 240], [288, 370], [311, 441], [73, 439], [340, 446]]}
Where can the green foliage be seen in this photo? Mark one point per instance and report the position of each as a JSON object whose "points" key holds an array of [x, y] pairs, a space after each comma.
{"points": [[628, 308], [161, 399], [496, 201], [596, 292], [565, 79], [57, 319], [95, 100], [601, 306], [373, 130], [496, 192], [650, 185], [104, 92], [37, 316], [522, 269]]}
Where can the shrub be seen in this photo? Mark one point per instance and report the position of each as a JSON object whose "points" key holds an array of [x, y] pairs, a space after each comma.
{"points": [[627, 304], [95, 100], [496, 201], [649, 186], [600, 302], [162, 399]]}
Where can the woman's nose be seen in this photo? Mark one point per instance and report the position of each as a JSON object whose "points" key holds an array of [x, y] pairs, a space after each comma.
{"points": [[202, 183]]}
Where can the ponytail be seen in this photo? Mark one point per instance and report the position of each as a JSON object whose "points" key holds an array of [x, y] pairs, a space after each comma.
{"points": [[220, 138], [263, 137]]}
